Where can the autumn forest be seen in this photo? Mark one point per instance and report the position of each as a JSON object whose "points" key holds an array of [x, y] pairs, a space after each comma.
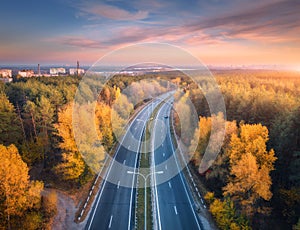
{"points": [[254, 183]]}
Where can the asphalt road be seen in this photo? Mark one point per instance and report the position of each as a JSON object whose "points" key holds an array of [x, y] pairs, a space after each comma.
{"points": [[114, 206], [175, 208]]}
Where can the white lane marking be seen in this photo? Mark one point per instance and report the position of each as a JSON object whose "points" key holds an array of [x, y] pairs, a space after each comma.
{"points": [[162, 145], [166, 167], [110, 221], [107, 174], [154, 175], [118, 184], [175, 209], [170, 184], [184, 186], [124, 162], [134, 176], [164, 154], [82, 212], [132, 185]]}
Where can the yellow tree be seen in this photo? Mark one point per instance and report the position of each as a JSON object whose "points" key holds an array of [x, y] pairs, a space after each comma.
{"points": [[83, 154], [103, 115], [250, 166], [17, 192], [200, 140], [72, 165], [203, 134]]}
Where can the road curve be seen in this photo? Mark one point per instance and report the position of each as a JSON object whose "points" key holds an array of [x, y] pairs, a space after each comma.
{"points": [[175, 207], [114, 206]]}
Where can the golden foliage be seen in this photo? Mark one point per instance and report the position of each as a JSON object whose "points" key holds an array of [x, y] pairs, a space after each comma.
{"points": [[17, 192], [250, 165], [72, 165], [103, 115], [50, 203]]}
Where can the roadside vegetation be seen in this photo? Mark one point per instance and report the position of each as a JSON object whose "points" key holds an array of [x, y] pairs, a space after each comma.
{"points": [[254, 183], [38, 145]]}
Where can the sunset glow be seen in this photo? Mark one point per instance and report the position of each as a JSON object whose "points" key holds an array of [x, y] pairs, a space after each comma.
{"points": [[217, 32]]}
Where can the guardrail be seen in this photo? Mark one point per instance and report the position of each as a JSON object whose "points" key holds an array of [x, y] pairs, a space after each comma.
{"points": [[93, 188], [186, 164]]}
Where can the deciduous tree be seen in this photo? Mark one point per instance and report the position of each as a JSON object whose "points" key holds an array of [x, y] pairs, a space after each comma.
{"points": [[250, 166], [17, 192]]}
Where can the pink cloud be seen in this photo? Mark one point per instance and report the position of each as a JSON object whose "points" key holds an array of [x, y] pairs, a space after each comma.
{"points": [[112, 12], [77, 41]]}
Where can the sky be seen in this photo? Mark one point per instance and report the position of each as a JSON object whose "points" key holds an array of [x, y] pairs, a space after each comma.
{"points": [[217, 32]]}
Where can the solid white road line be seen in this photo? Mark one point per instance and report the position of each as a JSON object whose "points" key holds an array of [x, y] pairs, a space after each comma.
{"points": [[166, 167], [110, 221], [184, 186], [155, 186], [134, 176], [175, 209], [170, 184], [118, 184], [110, 166], [133, 180]]}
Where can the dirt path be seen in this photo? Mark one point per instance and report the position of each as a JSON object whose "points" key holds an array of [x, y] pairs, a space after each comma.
{"points": [[64, 220]]}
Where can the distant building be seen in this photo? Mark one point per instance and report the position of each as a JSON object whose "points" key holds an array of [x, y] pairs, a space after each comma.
{"points": [[5, 73], [74, 71], [6, 79], [26, 73], [57, 71]]}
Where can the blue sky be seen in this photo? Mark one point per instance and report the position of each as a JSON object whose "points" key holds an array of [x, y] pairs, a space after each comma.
{"points": [[220, 32]]}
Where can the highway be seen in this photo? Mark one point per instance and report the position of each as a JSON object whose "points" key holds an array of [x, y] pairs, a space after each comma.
{"points": [[114, 206], [173, 202]]}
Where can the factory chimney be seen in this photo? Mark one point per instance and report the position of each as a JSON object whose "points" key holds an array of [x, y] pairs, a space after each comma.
{"points": [[39, 70], [77, 68]]}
